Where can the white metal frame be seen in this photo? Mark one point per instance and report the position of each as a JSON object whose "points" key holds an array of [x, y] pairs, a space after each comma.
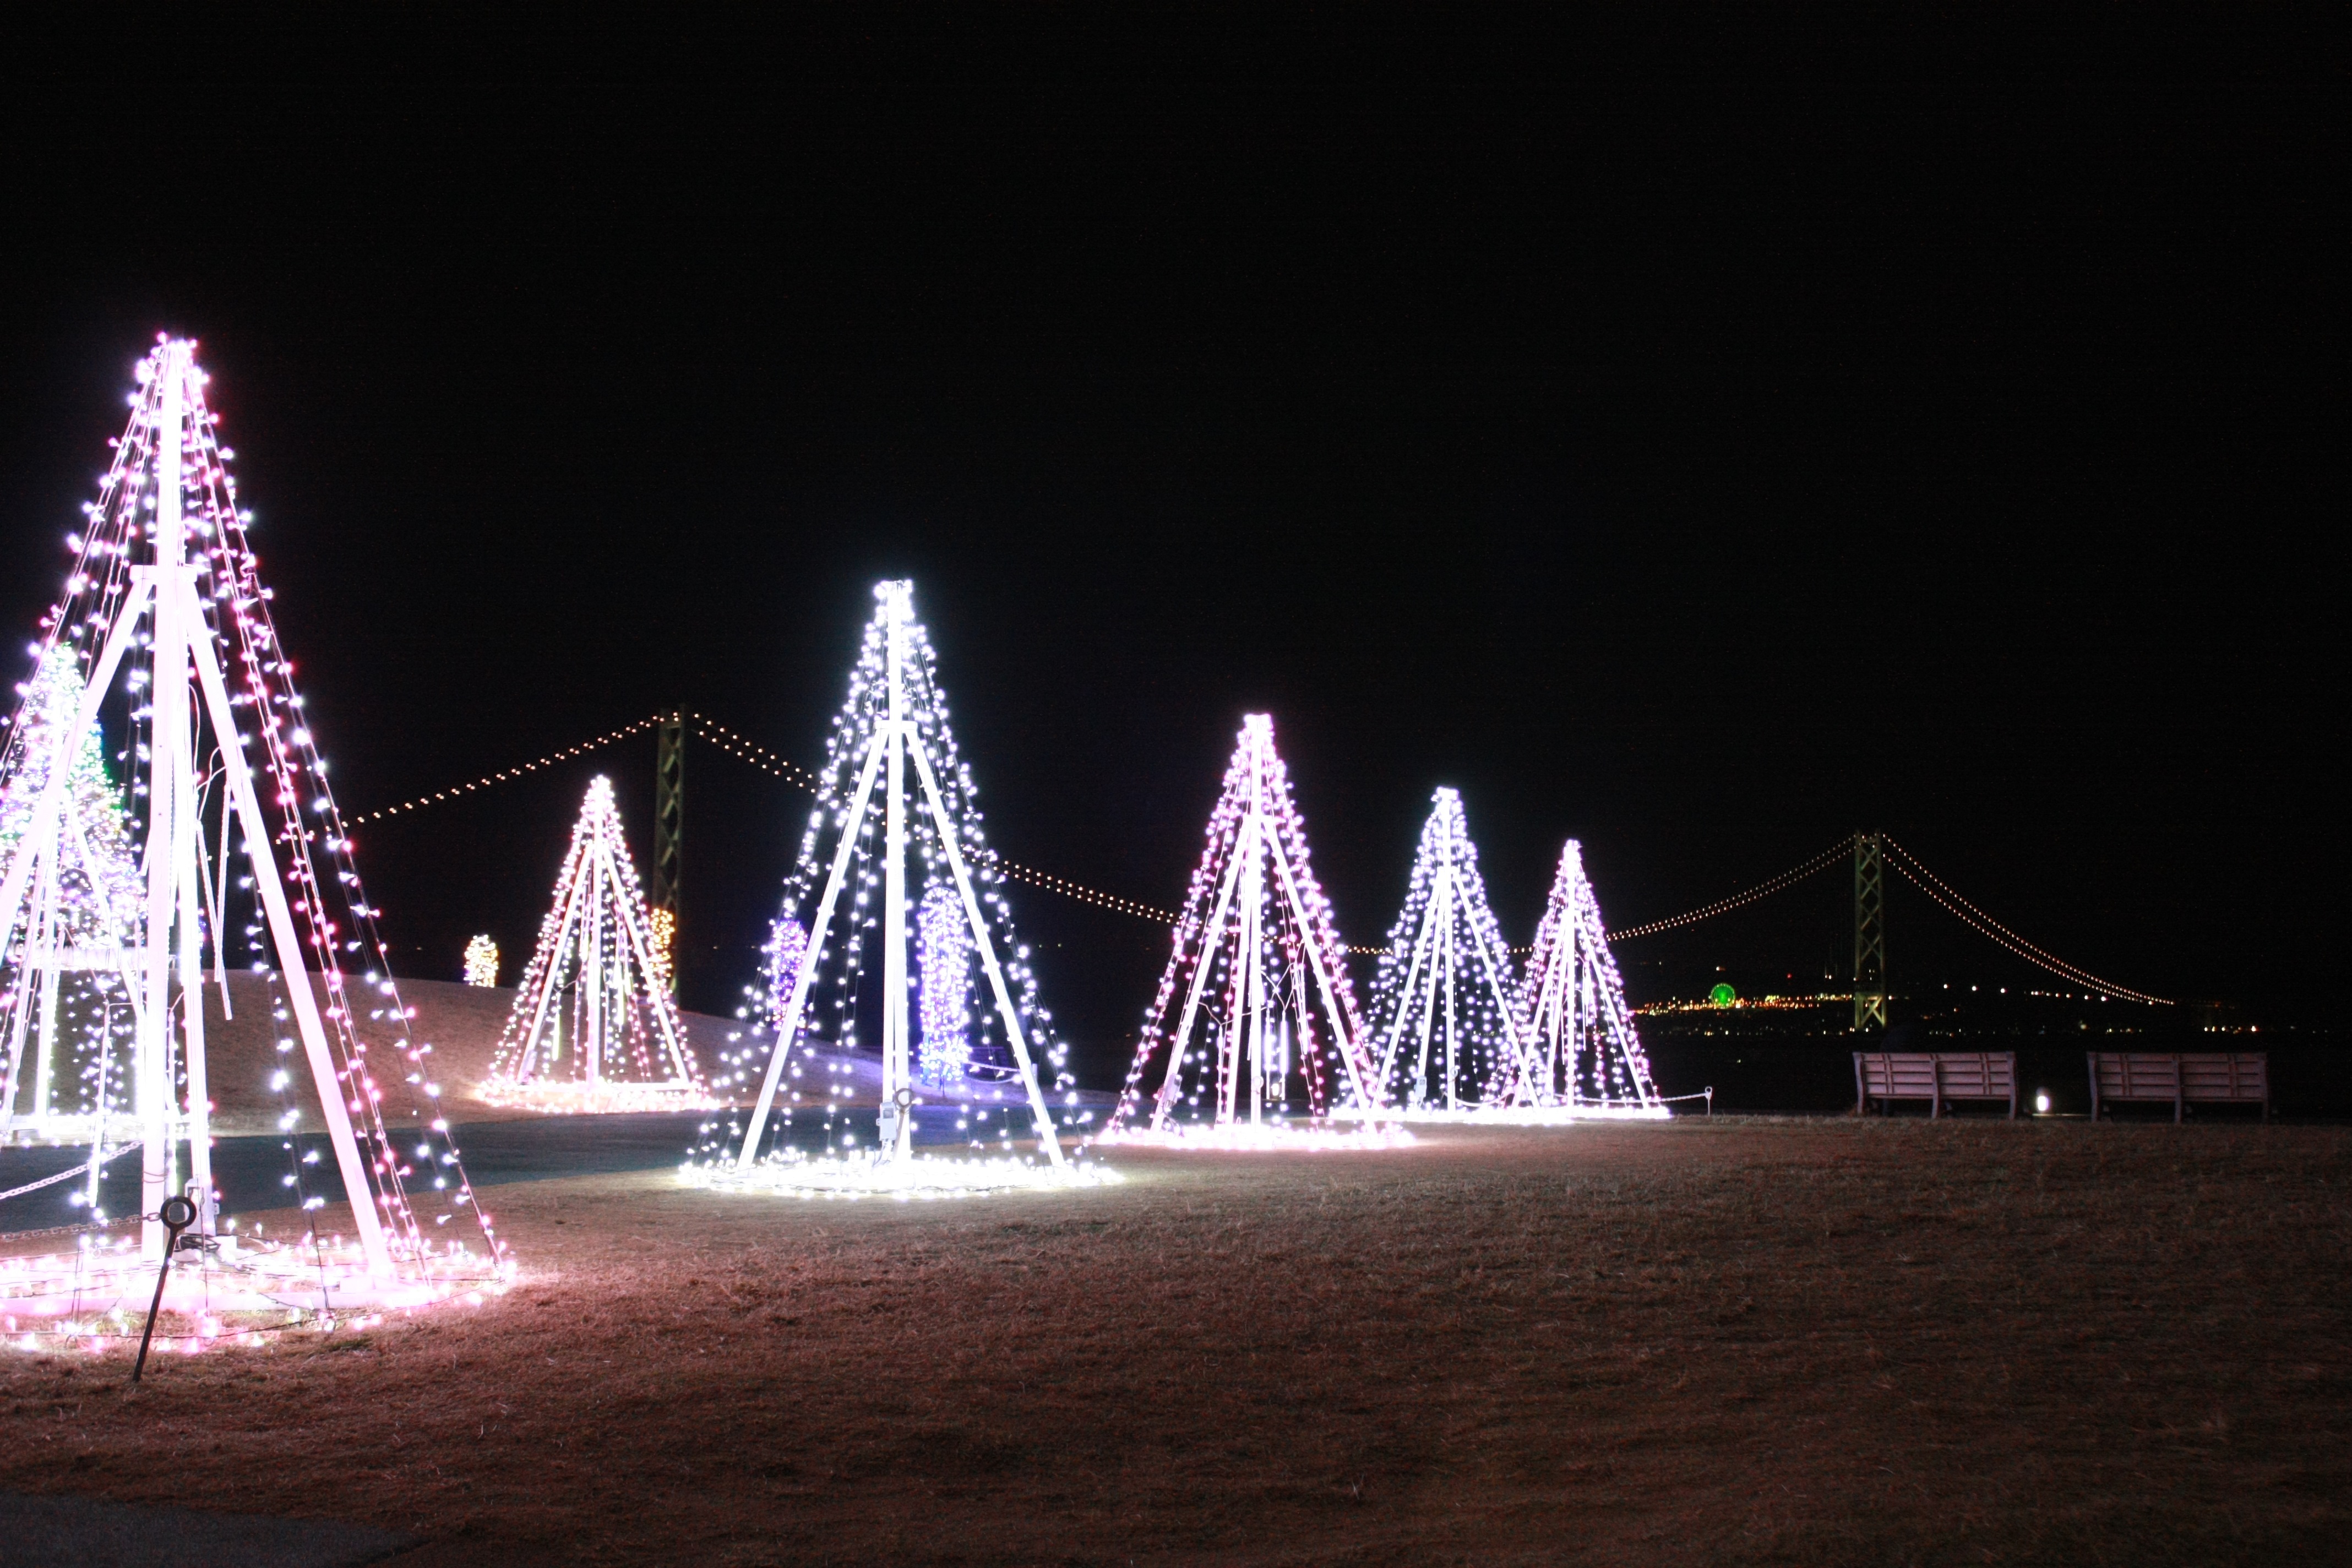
{"points": [[596, 894], [1432, 970], [893, 745], [187, 688], [1579, 1011], [1244, 1040]]}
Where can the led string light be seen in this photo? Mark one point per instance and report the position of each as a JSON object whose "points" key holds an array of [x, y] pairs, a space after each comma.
{"points": [[759, 757], [895, 806], [787, 941], [1255, 994], [1826, 859], [506, 774], [1446, 1019], [231, 743], [482, 962], [1588, 1059], [944, 955], [747, 751], [736, 745], [1084, 894], [1985, 925], [661, 925], [598, 969], [68, 1040], [744, 749]]}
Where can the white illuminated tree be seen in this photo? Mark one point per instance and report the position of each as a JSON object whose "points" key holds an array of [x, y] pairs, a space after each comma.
{"points": [[68, 1024], [1588, 1056], [1448, 1024], [896, 797], [164, 616], [943, 948], [595, 1027], [1255, 1010]]}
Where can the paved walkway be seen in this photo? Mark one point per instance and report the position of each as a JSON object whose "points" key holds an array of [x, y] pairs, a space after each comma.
{"points": [[251, 1172], [91, 1532]]}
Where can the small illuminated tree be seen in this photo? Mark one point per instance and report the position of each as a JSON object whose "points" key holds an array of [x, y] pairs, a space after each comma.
{"points": [[1257, 969], [1588, 1056], [787, 941], [663, 925], [595, 1027], [72, 1009], [482, 962], [1446, 1019], [943, 954]]}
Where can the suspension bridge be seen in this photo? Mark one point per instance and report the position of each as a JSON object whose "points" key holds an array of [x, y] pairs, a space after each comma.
{"points": [[1870, 855]]}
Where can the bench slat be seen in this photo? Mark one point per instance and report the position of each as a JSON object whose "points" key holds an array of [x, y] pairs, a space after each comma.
{"points": [[1935, 1076], [2179, 1078]]}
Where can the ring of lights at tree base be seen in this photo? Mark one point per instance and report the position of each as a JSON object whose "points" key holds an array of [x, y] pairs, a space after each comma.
{"points": [[1254, 949], [1561, 1115], [895, 790], [921, 1176], [1381, 1131], [597, 966], [163, 603]]}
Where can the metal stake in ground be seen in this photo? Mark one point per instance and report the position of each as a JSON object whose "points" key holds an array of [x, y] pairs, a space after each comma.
{"points": [[177, 1214]]}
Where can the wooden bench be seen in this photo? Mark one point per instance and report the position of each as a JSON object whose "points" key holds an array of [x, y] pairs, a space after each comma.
{"points": [[2181, 1079], [1934, 1076]]}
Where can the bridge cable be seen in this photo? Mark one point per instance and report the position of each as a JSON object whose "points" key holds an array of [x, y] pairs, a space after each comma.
{"points": [[1975, 920], [1819, 863]]}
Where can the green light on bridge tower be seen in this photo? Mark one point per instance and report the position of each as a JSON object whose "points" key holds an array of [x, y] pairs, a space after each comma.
{"points": [[1869, 932]]}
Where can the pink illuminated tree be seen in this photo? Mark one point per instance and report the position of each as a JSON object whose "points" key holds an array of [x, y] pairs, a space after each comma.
{"points": [[1588, 1053], [595, 1027], [1254, 1011]]}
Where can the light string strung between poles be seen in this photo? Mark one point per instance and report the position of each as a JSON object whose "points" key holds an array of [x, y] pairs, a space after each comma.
{"points": [[548, 761], [747, 751]]}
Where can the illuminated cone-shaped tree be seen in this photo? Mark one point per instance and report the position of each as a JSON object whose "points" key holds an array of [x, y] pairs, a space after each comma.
{"points": [[1256, 971], [895, 790], [1587, 1055], [594, 1026], [163, 604], [1446, 1020], [67, 1025]]}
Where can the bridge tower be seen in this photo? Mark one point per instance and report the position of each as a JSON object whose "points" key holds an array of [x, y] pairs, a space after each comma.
{"points": [[669, 801], [1869, 932]]}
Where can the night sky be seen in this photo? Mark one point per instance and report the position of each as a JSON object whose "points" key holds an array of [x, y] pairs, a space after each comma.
{"points": [[1703, 472]]}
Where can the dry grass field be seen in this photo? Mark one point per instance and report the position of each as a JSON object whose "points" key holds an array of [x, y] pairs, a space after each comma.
{"points": [[462, 1023], [1730, 1342]]}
